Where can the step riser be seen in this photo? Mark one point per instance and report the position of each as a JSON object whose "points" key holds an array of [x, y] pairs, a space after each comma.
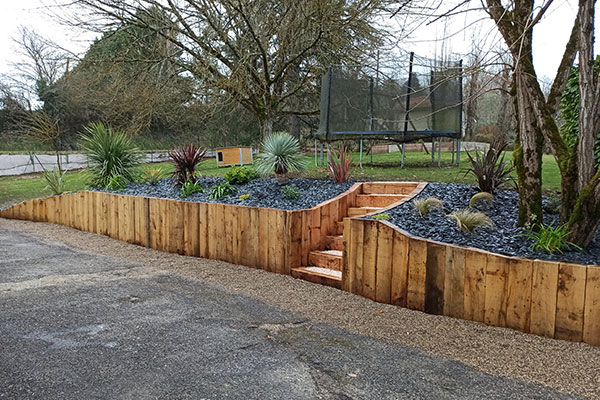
{"points": [[383, 188], [325, 261], [372, 200], [317, 278], [333, 243], [357, 212]]}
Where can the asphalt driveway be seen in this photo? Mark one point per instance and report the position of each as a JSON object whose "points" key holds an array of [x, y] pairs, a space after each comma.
{"points": [[81, 325]]}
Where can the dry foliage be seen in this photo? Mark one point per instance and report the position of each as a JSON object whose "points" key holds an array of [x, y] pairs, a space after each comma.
{"points": [[424, 206]]}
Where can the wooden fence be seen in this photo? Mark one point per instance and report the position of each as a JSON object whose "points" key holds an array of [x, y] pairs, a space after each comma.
{"points": [[269, 239], [552, 299]]}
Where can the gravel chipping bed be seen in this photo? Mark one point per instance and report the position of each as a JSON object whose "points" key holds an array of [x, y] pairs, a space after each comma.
{"points": [[501, 239], [565, 366], [264, 192]]}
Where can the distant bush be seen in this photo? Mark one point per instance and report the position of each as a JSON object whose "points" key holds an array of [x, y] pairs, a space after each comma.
{"points": [[290, 192], [240, 175], [109, 153]]}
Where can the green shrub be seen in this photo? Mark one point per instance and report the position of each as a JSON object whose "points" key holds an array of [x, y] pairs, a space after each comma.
{"points": [[467, 220], [290, 192], [55, 181], [481, 196], [116, 183], [550, 239], [244, 197], [280, 153], [189, 188], [222, 190], [109, 153], [424, 206], [185, 161], [381, 216], [240, 175], [150, 175]]}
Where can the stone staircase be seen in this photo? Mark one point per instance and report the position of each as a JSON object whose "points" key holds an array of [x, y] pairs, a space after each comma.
{"points": [[325, 261]]}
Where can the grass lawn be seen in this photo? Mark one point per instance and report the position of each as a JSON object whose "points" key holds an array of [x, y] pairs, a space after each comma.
{"points": [[14, 189]]}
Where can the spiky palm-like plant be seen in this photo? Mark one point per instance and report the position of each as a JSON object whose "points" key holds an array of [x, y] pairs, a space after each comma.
{"points": [[185, 161], [109, 152], [281, 154]]}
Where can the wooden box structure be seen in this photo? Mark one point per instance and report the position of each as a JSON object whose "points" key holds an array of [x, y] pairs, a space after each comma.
{"points": [[240, 155]]}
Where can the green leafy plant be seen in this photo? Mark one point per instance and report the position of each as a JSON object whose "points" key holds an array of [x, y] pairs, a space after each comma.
{"points": [[222, 190], [280, 153], [55, 181], [150, 176], [290, 192], [116, 183], [240, 175], [244, 197], [339, 163], [481, 196], [489, 167], [381, 216], [550, 239], [189, 188], [467, 220], [424, 206], [185, 161], [109, 153]]}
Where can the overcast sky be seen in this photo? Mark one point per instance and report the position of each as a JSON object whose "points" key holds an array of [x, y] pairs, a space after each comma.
{"points": [[550, 35]]}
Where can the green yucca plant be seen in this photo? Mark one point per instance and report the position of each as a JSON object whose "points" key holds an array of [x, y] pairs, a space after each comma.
{"points": [[481, 196], [424, 206], [280, 153], [467, 220], [109, 153], [55, 181], [151, 176]]}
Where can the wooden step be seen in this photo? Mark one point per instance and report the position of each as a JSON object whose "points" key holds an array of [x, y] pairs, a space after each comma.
{"points": [[388, 187], [318, 275], [329, 259], [358, 211], [333, 242], [377, 200]]}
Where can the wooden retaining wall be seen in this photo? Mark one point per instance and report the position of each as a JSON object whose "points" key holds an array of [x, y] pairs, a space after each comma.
{"points": [[269, 239], [552, 299]]}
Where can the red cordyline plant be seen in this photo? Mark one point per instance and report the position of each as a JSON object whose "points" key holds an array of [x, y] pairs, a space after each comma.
{"points": [[185, 160], [339, 163]]}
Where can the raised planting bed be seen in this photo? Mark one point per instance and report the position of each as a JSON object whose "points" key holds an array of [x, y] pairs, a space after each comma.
{"points": [[450, 276], [264, 192]]}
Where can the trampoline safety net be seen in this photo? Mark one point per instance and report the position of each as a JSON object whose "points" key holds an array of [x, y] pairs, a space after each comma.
{"points": [[423, 99]]}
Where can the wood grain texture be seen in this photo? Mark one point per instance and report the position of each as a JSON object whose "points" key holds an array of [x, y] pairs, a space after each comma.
{"points": [[385, 252], [519, 294], [435, 278], [474, 288], [356, 263], [400, 270], [591, 312], [417, 270], [191, 225], [570, 302], [543, 298], [496, 290], [454, 283], [369, 267]]}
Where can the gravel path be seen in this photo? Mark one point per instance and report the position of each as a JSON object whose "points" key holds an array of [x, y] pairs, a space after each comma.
{"points": [[502, 238], [264, 192], [564, 366]]}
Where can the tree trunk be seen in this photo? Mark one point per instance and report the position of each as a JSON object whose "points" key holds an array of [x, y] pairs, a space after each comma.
{"points": [[266, 127], [294, 126], [585, 217]]}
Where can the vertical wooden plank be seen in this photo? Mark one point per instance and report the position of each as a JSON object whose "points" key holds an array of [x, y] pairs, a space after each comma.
{"points": [[519, 294], [570, 302], [400, 270], [284, 242], [435, 278], [236, 235], [243, 244], [203, 236], [306, 229], [295, 228], [175, 226], [358, 235], [334, 208], [315, 231], [496, 290], [385, 251], [190, 229], [251, 238], [154, 218], [591, 311], [229, 216], [325, 220], [348, 255], [263, 238], [114, 217], [417, 267], [543, 298], [91, 213], [126, 219], [474, 287], [142, 221], [369, 266], [454, 284]]}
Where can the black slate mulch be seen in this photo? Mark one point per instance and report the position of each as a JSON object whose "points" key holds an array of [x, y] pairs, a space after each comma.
{"points": [[264, 192], [500, 239]]}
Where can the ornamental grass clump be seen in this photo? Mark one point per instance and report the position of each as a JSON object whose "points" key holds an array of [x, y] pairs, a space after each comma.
{"points": [[424, 206], [481, 196], [468, 220], [338, 163], [151, 176], [185, 161], [280, 153], [109, 153], [550, 239], [55, 181]]}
